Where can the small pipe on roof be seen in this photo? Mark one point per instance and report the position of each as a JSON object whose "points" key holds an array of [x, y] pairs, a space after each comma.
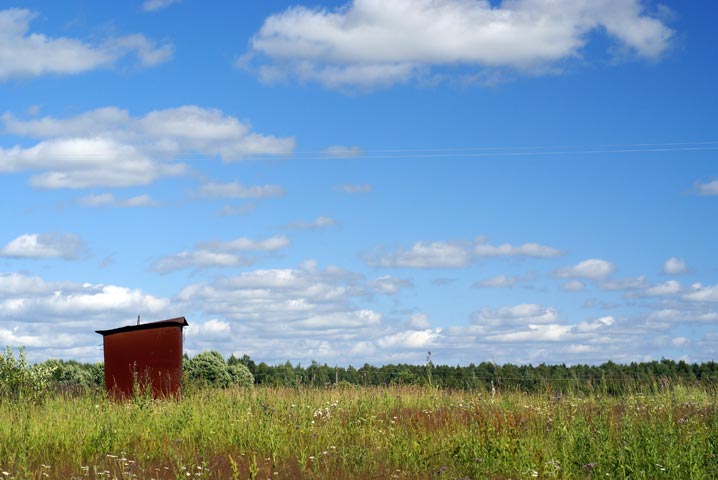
{"points": [[138, 319]]}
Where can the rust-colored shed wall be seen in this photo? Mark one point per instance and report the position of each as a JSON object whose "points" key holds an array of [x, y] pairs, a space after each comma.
{"points": [[147, 354]]}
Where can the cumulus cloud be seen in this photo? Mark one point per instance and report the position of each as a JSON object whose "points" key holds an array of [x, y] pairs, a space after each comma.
{"points": [[62, 316], [107, 147], [707, 188], [522, 314], [699, 293], [483, 249], [591, 269], [305, 303], [423, 255], [199, 259], [24, 54], [109, 200], [416, 339], [218, 254], [237, 190], [316, 224], [419, 321], [212, 330], [457, 254], [683, 314], [674, 266], [370, 43], [499, 281], [629, 283], [270, 244], [670, 287], [573, 286], [389, 285], [46, 245]]}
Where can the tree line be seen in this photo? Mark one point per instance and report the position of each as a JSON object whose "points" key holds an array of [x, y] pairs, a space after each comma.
{"points": [[610, 378], [20, 378]]}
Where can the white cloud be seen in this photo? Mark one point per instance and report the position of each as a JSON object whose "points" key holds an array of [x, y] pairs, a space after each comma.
{"points": [[62, 316], [522, 314], [108, 147], [413, 339], [109, 200], [352, 188], [369, 43], [85, 162], [423, 255], [499, 281], [199, 259], [707, 189], [270, 244], [671, 287], [573, 286], [340, 151], [592, 269], [46, 245], [629, 283], [287, 304], [593, 326], [24, 54], [454, 254], [699, 293], [419, 321], [218, 254], [483, 249], [389, 285], [535, 333], [680, 342], [683, 314], [213, 329], [237, 190], [318, 223], [154, 5], [674, 266]]}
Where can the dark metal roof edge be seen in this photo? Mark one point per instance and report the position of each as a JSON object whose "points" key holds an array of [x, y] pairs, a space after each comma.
{"points": [[172, 322]]}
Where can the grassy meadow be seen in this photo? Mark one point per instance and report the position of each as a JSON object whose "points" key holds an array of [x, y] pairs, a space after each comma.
{"points": [[362, 432]]}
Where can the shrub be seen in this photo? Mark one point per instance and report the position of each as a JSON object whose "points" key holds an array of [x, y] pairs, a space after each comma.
{"points": [[21, 381], [74, 377], [210, 369], [241, 376]]}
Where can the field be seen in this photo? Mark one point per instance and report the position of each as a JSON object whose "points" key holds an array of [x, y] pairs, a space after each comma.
{"points": [[367, 432]]}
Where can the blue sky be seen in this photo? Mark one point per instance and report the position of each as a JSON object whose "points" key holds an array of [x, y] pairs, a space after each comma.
{"points": [[364, 181]]}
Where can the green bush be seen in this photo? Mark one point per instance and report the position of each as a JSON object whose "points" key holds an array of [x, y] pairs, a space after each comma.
{"points": [[20, 381], [210, 369], [74, 377], [241, 376]]}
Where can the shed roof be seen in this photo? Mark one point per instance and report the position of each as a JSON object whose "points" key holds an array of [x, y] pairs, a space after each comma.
{"points": [[172, 322]]}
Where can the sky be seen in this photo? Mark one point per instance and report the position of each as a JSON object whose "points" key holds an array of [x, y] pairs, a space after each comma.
{"points": [[364, 181]]}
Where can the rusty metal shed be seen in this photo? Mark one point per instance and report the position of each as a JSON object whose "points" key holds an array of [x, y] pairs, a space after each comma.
{"points": [[144, 354]]}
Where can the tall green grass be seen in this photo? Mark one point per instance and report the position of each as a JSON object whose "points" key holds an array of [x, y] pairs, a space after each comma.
{"points": [[392, 432]]}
